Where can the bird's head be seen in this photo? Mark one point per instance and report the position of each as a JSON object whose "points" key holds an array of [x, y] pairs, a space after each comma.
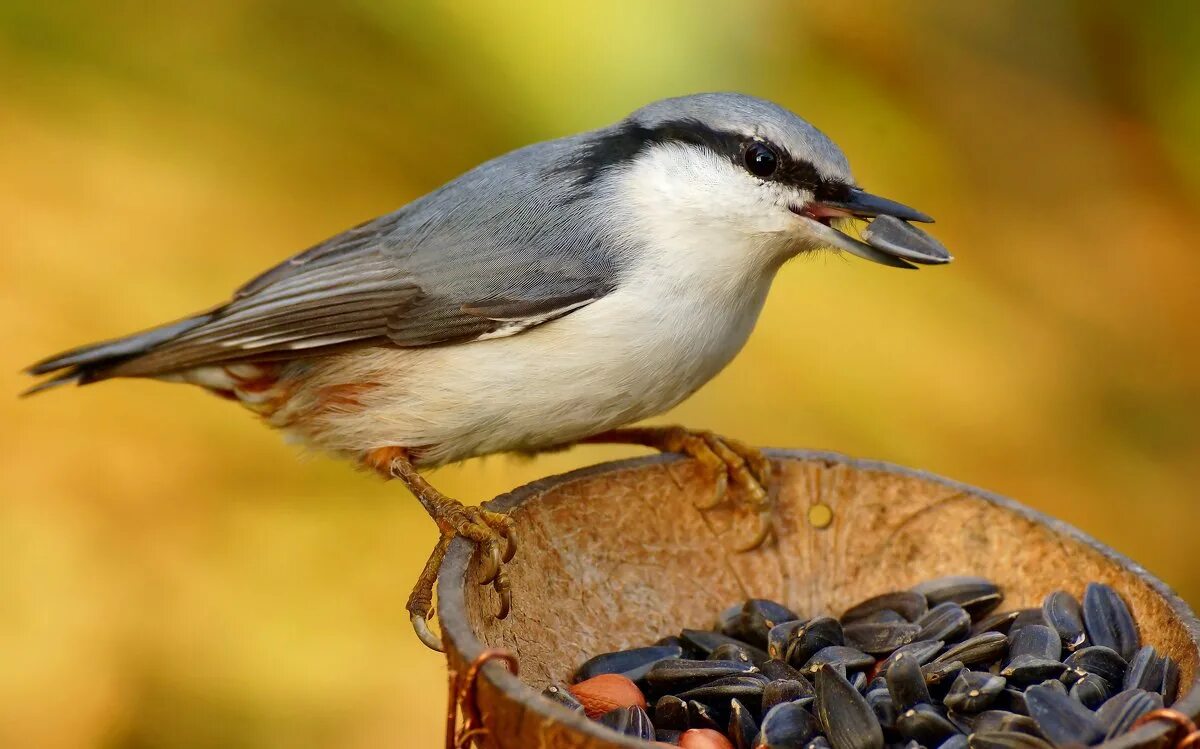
{"points": [[739, 169]]}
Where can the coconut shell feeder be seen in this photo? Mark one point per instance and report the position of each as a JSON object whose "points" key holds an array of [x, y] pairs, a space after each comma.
{"points": [[616, 555]]}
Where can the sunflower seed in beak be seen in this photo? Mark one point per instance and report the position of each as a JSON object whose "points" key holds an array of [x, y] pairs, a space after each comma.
{"points": [[906, 241]]}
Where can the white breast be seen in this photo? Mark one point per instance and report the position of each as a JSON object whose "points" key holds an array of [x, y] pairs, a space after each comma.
{"points": [[631, 355]]}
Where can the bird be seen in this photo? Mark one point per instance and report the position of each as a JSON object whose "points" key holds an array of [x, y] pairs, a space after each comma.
{"points": [[558, 294]]}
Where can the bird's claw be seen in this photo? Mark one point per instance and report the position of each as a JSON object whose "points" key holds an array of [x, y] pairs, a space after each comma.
{"points": [[765, 528], [509, 533], [752, 471], [730, 460], [504, 591], [724, 459], [489, 530], [493, 535], [719, 490], [489, 563]]}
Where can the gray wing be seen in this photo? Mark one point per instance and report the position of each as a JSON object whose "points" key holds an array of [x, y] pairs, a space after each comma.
{"points": [[501, 249]]}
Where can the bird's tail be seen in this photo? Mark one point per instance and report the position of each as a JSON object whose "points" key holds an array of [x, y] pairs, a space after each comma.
{"points": [[94, 362]]}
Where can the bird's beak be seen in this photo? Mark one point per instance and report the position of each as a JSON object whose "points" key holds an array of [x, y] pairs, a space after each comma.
{"points": [[890, 240], [863, 204]]}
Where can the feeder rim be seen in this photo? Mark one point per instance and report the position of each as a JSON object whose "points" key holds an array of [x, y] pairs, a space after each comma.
{"points": [[457, 633]]}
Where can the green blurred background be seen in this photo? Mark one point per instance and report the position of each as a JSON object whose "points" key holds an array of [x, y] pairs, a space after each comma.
{"points": [[171, 575]]}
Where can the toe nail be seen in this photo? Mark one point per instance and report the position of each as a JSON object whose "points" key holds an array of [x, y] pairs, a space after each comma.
{"points": [[491, 564], [760, 538], [425, 634]]}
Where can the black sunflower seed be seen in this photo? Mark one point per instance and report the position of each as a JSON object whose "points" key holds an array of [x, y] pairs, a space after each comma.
{"points": [[941, 674], [786, 726], [906, 683], [1146, 670], [1122, 710], [1063, 613], [754, 619], [908, 604], [671, 713], [674, 676], [883, 706], [957, 741], [975, 594], [964, 722], [1004, 720], [1071, 675], [1012, 700], [923, 650], [1055, 685], [880, 638], [974, 691], [560, 694], [882, 616], [1006, 740], [700, 716], [1170, 683], [1037, 640], [848, 721], [742, 725], [786, 690], [773, 669], [1061, 719], [983, 648], [1091, 691], [851, 658], [726, 619], [717, 694], [946, 621], [1000, 621], [630, 721], [705, 642], [731, 652], [1025, 670], [1025, 617], [632, 664], [1101, 661], [1108, 621], [924, 724], [796, 642]]}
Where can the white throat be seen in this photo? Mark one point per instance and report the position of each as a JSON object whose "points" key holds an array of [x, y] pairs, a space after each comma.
{"points": [[698, 220]]}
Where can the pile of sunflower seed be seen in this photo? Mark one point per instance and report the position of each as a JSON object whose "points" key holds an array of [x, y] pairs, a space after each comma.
{"points": [[933, 666]]}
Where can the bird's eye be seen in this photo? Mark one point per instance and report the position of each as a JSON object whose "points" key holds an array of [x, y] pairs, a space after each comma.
{"points": [[761, 160]]}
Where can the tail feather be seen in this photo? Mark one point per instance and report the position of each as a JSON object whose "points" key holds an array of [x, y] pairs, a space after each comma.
{"points": [[90, 363]]}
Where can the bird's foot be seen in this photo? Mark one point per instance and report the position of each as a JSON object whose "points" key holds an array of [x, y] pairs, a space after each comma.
{"points": [[491, 532], [726, 459]]}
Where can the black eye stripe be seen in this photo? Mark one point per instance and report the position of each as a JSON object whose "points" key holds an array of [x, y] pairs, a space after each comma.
{"points": [[623, 143], [832, 190]]}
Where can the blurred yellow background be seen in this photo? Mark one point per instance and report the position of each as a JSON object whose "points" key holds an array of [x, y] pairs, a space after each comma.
{"points": [[172, 575]]}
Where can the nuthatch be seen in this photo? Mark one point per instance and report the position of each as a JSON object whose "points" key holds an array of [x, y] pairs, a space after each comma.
{"points": [[548, 297]]}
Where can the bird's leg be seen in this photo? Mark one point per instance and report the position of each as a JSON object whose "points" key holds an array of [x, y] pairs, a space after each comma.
{"points": [[492, 533], [725, 458]]}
